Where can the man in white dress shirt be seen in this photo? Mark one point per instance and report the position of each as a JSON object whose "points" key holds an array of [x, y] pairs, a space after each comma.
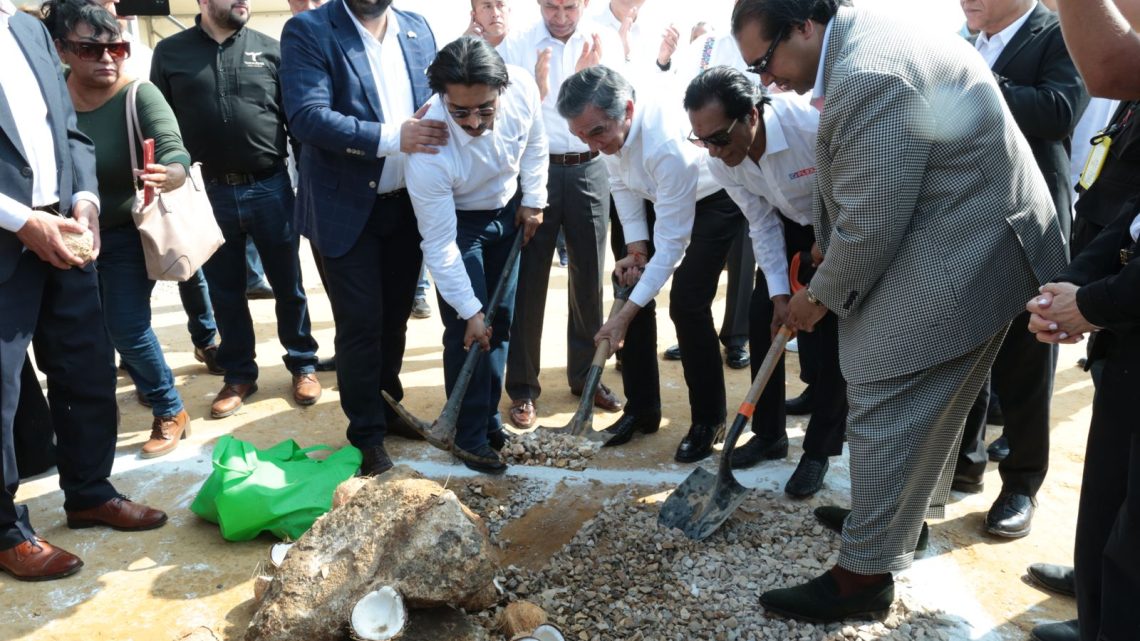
{"points": [[485, 185], [763, 153]]}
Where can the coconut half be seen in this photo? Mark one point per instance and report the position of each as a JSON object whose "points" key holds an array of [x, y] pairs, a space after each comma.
{"points": [[520, 618], [547, 632], [379, 616], [277, 553]]}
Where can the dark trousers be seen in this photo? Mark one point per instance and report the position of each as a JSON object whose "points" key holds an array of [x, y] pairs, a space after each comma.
{"points": [[57, 312], [578, 196], [371, 288], [1022, 376], [195, 295], [824, 435], [484, 239], [32, 431], [640, 377], [741, 267], [716, 224]]}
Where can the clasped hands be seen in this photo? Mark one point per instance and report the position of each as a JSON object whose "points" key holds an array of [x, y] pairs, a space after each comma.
{"points": [[1054, 316]]}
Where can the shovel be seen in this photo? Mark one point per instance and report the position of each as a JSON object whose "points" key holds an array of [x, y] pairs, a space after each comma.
{"points": [[703, 501], [441, 433]]}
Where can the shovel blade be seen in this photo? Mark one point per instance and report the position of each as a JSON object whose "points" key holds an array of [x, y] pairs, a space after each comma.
{"points": [[701, 504], [430, 431]]}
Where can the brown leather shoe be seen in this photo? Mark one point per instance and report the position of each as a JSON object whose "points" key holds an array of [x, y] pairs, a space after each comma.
{"points": [[306, 388], [120, 513], [229, 400], [38, 561], [165, 433], [604, 398], [523, 413]]}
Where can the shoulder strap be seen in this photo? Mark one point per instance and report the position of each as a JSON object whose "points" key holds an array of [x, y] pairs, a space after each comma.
{"points": [[134, 129]]}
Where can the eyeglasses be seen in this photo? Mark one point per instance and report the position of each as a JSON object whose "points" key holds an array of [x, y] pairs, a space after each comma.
{"points": [[718, 139], [93, 51], [761, 65], [484, 113]]}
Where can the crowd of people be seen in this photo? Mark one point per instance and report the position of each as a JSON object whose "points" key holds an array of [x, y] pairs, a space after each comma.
{"points": [[903, 198]]}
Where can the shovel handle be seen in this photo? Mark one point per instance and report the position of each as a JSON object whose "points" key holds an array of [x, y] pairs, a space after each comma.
{"points": [[767, 368]]}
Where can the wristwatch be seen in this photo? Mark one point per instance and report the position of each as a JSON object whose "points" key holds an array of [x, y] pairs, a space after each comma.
{"points": [[811, 297]]}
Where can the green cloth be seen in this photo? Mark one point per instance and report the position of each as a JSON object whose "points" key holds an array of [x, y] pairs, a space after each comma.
{"points": [[107, 127]]}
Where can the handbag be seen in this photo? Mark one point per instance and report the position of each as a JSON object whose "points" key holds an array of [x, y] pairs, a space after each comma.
{"points": [[178, 229]]}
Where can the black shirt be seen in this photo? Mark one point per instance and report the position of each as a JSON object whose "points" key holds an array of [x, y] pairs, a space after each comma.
{"points": [[227, 97], [1119, 180]]}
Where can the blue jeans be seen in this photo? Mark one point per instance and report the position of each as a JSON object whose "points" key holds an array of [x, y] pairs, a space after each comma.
{"points": [[263, 211], [484, 239], [126, 290], [422, 284], [195, 295], [254, 270]]}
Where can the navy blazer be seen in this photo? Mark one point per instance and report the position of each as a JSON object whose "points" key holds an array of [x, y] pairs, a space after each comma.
{"points": [[74, 152], [333, 107]]}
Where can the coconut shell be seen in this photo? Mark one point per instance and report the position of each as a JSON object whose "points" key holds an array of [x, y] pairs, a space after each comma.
{"points": [[260, 585], [520, 617], [82, 245], [347, 489]]}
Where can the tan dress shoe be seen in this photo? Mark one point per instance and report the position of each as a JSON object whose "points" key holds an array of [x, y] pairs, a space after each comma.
{"points": [[523, 413], [120, 513], [306, 388], [229, 400], [165, 433], [38, 561]]}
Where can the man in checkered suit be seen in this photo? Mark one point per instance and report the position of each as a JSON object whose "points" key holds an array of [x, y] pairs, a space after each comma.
{"points": [[935, 222]]}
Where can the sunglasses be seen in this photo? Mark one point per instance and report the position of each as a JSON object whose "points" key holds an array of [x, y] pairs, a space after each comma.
{"points": [[718, 139], [761, 65], [93, 51]]}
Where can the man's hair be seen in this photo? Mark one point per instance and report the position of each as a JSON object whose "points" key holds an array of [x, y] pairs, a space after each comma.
{"points": [[62, 16], [781, 15], [467, 61], [731, 88], [600, 86]]}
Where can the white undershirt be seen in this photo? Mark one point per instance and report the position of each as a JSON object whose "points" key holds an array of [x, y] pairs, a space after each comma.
{"points": [[991, 47], [1135, 228]]}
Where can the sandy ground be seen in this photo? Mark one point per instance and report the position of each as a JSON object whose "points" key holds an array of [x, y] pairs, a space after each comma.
{"points": [[163, 584]]}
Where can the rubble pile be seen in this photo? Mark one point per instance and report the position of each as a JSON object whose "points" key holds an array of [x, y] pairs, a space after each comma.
{"points": [[502, 500], [543, 447]]}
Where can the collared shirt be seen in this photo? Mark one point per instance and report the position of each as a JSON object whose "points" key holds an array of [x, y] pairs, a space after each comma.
{"points": [[657, 163], [817, 96], [227, 97], [783, 179], [640, 66], [991, 47], [386, 59], [1135, 228], [477, 173], [521, 49]]}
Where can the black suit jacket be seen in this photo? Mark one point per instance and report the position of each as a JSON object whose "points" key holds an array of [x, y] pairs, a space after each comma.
{"points": [[74, 152], [1046, 95]]}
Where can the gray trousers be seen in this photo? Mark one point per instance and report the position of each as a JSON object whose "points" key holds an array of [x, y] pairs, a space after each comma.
{"points": [[741, 272], [579, 205], [903, 435]]}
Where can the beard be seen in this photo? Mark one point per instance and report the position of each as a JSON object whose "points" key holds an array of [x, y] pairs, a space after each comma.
{"points": [[228, 17], [368, 9]]}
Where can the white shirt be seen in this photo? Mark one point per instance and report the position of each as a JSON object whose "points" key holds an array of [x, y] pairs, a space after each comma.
{"points": [[521, 49], [386, 59], [783, 179], [1096, 117], [817, 96], [991, 47], [640, 67], [1135, 228], [657, 163], [477, 173]]}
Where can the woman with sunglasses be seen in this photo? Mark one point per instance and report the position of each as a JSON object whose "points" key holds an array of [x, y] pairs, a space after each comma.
{"points": [[90, 43]]}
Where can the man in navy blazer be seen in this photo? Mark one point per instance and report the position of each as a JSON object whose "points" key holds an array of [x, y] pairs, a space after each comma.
{"points": [[49, 297], [351, 201]]}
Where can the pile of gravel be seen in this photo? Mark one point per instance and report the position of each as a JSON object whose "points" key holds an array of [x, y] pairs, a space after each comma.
{"points": [[501, 500], [543, 447]]}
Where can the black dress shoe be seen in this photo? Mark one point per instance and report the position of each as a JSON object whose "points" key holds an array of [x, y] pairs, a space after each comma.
{"points": [[757, 450], [998, 450], [808, 477], [375, 461], [482, 459], [1011, 515], [260, 292], [1055, 578], [967, 484], [800, 405], [818, 600], [625, 427], [737, 357], [1059, 631], [327, 364], [698, 443], [498, 439], [673, 353], [833, 516]]}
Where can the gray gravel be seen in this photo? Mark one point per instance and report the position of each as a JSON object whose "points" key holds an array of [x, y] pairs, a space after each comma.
{"points": [[542, 447], [501, 501]]}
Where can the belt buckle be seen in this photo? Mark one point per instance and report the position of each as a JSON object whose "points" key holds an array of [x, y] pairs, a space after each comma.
{"points": [[1125, 256]]}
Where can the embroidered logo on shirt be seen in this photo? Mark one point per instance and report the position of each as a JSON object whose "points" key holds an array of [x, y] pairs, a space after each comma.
{"points": [[803, 173], [253, 61]]}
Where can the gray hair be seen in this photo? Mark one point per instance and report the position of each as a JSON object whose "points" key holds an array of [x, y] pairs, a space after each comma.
{"points": [[600, 86]]}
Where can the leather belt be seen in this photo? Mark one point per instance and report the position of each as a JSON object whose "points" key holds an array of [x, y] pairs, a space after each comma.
{"points": [[395, 193], [569, 160], [234, 179], [51, 209]]}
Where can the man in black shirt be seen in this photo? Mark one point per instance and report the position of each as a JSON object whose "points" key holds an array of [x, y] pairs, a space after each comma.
{"points": [[221, 80]]}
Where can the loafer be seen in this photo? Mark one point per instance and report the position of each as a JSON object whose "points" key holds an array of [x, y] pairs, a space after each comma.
{"points": [[421, 308], [397, 426], [808, 477], [38, 560], [260, 292], [482, 459], [375, 460], [120, 513], [737, 357], [498, 439], [818, 601], [523, 413], [757, 450], [623, 430], [327, 364], [306, 388], [1052, 577], [1058, 631], [998, 450], [208, 355], [698, 443], [604, 398], [1011, 515], [833, 516], [673, 353], [230, 399], [165, 433], [967, 484], [800, 405]]}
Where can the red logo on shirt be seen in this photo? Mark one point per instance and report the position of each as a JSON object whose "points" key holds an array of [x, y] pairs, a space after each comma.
{"points": [[806, 171]]}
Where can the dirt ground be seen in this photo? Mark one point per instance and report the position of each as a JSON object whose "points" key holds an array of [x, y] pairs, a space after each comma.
{"points": [[163, 584]]}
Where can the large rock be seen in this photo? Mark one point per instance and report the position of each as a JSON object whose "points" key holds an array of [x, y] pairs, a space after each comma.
{"points": [[400, 530], [442, 624]]}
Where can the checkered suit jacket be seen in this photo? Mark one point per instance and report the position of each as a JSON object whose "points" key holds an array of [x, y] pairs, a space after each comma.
{"points": [[935, 221], [333, 107]]}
